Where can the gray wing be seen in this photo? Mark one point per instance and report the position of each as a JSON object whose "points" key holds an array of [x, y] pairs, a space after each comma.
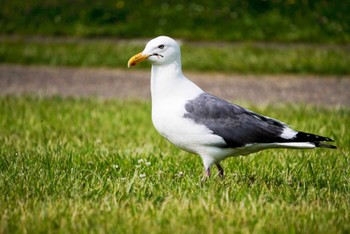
{"points": [[236, 125]]}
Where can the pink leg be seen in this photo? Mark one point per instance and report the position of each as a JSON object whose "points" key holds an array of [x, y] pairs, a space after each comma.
{"points": [[207, 172], [206, 176], [221, 170]]}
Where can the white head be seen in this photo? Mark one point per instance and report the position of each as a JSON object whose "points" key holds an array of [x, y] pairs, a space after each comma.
{"points": [[161, 50]]}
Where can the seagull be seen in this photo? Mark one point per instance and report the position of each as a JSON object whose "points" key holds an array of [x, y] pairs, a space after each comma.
{"points": [[206, 125]]}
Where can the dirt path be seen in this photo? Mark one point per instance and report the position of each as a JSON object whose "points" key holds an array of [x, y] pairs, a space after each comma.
{"points": [[131, 84]]}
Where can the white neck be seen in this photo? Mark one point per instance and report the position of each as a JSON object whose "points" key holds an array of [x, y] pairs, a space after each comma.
{"points": [[163, 79], [168, 82]]}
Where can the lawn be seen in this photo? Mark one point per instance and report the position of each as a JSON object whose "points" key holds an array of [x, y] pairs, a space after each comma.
{"points": [[244, 58], [98, 166]]}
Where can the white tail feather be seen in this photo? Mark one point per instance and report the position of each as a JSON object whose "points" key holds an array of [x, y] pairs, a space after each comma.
{"points": [[294, 145]]}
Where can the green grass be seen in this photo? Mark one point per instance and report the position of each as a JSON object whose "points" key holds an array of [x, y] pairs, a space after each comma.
{"points": [[246, 20], [97, 166], [234, 58]]}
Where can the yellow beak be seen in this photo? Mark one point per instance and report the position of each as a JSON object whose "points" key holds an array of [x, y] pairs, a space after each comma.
{"points": [[137, 58]]}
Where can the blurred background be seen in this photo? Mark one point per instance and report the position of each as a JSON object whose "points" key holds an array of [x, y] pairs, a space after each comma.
{"points": [[55, 32], [248, 20], [294, 37]]}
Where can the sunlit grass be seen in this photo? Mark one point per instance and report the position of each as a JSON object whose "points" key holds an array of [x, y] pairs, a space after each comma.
{"points": [[96, 166], [237, 58]]}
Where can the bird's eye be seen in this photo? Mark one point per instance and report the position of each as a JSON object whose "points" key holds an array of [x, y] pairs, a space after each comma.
{"points": [[161, 47]]}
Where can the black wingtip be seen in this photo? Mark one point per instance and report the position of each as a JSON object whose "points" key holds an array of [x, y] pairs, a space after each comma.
{"points": [[328, 139], [309, 137], [317, 140]]}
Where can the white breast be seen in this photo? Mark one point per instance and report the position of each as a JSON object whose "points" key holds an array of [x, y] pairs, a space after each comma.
{"points": [[168, 118], [169, 97]]}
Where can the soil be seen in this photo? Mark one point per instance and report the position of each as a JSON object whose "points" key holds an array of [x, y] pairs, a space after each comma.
{"points": [[134, 84]]}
